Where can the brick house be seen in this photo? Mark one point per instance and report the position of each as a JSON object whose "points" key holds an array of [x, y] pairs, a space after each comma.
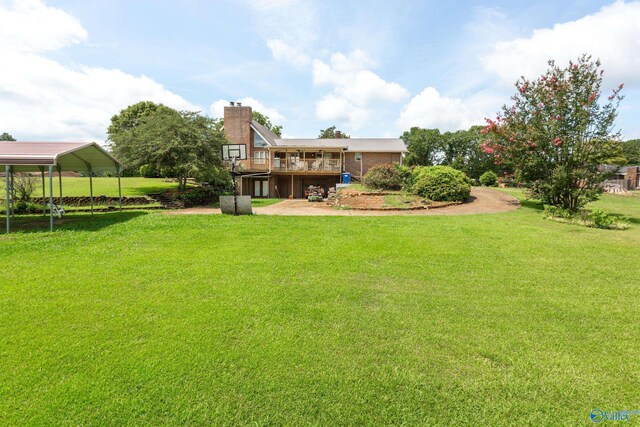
{"points": [[623, 177], [277, 167]]}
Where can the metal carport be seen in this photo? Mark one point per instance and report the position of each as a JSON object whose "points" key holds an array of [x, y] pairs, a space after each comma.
{"points": [[87, 157]]}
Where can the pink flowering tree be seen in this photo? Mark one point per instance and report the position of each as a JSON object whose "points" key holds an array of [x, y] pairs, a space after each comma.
{"points": [[558, 133]]}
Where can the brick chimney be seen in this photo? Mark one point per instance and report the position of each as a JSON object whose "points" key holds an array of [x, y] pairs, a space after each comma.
{"points": [[237, 124]]}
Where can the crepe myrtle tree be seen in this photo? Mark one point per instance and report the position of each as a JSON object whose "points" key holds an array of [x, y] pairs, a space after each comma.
{"points": [[557, 134]]}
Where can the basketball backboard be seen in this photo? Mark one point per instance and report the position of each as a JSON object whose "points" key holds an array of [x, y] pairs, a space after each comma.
{"points": [[234, 151]]}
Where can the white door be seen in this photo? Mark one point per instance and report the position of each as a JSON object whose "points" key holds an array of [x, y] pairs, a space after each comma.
{"points": [[260, 188]]}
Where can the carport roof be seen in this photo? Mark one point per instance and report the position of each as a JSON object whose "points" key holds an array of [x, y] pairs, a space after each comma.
{"points": [[69, 156]]}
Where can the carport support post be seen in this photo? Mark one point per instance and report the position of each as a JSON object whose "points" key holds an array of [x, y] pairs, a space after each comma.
{"points": [[119, 189], [60, 181], [44, 193], [13, 189], [6, 169], [91, 188], [51, 198]]}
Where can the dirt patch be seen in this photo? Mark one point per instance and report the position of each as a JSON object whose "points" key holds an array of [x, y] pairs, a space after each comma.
{"points": [[385, 201]]}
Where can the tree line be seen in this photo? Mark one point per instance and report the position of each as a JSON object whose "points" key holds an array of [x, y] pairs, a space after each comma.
{"points": [[461, 150], [553, 139]]}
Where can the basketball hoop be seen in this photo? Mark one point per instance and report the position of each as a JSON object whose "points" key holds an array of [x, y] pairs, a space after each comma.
{"points": [[232, 153]]}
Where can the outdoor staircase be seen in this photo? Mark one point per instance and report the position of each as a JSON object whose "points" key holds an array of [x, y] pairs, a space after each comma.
{"points": [[166, 201]]}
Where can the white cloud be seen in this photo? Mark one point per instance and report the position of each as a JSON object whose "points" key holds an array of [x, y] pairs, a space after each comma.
{"points": [[31, 26], [281, 51], [429, 109], [611, 34], [44, 99], [335, 108], [341, 69], [217, 109], [292, 23], [357, 91]]}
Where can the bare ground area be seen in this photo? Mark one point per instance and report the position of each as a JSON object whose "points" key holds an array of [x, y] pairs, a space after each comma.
{"points": [[483, 200]]}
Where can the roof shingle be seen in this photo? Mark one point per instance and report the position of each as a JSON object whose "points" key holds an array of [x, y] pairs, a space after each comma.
{"points": [[378, 145]]}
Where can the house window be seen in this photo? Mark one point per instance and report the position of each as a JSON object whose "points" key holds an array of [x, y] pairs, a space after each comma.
{"points": [[258, 141], [260, 157]]}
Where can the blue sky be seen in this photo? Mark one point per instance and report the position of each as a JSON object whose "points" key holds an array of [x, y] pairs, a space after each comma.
{"points": [[371, 68]]}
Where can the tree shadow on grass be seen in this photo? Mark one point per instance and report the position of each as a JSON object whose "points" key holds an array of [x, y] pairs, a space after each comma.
{"points": [[631, 219], [69, 222], [532, 204]]}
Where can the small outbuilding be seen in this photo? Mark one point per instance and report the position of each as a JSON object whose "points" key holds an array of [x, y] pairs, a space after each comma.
{"points": [[46, 157]]}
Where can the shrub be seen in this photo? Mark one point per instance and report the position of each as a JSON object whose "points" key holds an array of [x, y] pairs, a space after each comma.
{"points": [[601, 219], [551, 211], [596, 218], [22, 207], [383, 177], [148, 171], [489, 179], [198, 196], [24, 185], [406, 175], [441, 183]]}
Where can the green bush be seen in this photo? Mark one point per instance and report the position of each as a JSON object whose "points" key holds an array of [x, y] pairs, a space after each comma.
{"points": [[551, 211], [22, 207], [406, 175], [197, 196], [383, 177], [148, 171], [601, 219], [596, 218], [441, 183], [489, 179]]}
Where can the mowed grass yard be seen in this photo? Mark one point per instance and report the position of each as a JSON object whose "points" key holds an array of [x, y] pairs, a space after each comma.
{"points": [[104, 186], [149, 319]]}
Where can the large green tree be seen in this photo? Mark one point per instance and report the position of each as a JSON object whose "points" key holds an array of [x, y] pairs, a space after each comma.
{"points": [[631, 151], [332, 133], [423, 146], [122, 125], [181, 145], [460, 149], [557, 133], [131, 116], [6, 137]]}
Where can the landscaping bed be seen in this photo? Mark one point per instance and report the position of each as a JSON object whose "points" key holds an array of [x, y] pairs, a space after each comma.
{"points": [[384, 200], [97, 200]]}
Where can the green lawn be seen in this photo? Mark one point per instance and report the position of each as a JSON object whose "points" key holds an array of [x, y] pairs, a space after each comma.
{"points": [[149, 319], [134, 186]]}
